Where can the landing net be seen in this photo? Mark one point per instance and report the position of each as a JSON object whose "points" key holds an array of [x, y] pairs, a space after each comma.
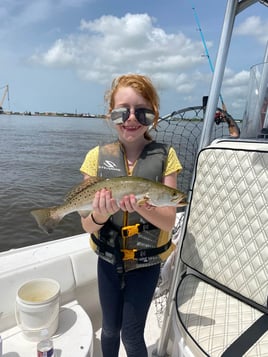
{"points": [[182, 129]]}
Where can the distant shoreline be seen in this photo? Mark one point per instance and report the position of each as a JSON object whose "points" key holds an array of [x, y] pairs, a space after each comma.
{"points": [[78, 115], [53, 114]]}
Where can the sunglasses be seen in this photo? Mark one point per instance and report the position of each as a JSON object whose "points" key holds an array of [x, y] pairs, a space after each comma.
{"points": [[143, 115]]}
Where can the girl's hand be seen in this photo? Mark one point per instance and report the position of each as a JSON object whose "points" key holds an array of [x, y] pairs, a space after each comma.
{"points": [[104, 204], [129, 203]]}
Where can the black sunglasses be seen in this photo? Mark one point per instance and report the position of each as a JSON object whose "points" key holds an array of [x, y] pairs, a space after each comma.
{"points": [[143, 115]]}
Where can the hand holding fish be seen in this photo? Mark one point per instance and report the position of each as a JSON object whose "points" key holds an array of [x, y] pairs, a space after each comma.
{"points": [[130, 204], [104, 204]]}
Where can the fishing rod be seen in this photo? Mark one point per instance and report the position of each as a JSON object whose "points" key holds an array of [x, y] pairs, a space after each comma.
{"points": [[206, 50], [233, 128]]}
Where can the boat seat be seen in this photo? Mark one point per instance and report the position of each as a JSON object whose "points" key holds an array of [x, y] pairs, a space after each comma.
{"points": [[221, 299]]}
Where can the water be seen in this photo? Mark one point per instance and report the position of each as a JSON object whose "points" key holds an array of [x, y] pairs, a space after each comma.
{"points": [[40, 159]]}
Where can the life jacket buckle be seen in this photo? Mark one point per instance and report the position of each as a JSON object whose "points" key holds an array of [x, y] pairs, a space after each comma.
{"points": [[129, 231], [129, 254]]}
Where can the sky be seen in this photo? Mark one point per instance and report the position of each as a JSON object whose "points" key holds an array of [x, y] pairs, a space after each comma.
{"points": [[61, 55]]}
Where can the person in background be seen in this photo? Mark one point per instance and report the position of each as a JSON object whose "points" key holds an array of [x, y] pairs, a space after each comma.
{"points": [[131, 240], [264, 111]]}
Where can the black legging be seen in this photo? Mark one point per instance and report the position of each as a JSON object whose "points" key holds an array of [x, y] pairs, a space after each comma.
{"points": [[125, 310]]}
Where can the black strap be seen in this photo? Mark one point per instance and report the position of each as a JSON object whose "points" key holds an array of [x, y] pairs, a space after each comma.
{"points": [[103, 246], [139, 254], [146, 227], [120, 268], [150, 252], [248, 338]]}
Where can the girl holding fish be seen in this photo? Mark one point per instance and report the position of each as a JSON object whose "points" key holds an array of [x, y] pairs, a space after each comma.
{"points": [[130, 235]]}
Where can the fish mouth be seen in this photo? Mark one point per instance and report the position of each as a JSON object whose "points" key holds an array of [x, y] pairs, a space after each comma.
{"points": [[179, 200], [176, 199]]}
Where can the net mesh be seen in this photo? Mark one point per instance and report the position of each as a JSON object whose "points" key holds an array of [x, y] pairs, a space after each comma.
{"points": [[182, 129]]}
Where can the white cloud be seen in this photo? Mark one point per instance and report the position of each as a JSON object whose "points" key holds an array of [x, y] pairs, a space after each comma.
{"points": [[254, 26], [59, 55], [236, 79], [234, 90], [111, 45]]}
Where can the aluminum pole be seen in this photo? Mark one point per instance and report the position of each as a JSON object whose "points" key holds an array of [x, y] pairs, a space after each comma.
{"points": [[217, 79]]}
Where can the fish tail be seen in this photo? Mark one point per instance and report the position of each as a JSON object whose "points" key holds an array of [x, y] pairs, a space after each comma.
{"points": [[45, 219]]}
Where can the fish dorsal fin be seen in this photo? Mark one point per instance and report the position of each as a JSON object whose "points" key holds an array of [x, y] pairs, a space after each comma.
{"points": [[82, 186]]}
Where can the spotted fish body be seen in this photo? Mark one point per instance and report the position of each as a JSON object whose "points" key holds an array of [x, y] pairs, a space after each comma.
{"points": [[80, 198]]}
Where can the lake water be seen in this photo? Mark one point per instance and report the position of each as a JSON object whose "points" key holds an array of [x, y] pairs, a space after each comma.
{"points": [[40, 159]]}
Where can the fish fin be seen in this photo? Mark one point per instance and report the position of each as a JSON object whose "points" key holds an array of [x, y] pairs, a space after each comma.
{"points": [[45, 220], [82, 186], [143, 200], [84, 214]]}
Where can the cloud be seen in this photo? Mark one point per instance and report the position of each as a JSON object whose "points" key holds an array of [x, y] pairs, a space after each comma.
{"points": [[234, 90], [60, 55], [236, 79], [254, 26], [110, 45]]}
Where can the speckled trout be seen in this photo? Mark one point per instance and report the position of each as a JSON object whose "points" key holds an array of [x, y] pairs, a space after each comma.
{"points": [[80, 198]]}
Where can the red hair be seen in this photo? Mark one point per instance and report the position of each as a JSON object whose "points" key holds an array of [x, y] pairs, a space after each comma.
{"points": [[142, 85]]}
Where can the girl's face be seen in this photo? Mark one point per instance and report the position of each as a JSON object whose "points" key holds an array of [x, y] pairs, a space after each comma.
{"points": [[131, 130]]}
